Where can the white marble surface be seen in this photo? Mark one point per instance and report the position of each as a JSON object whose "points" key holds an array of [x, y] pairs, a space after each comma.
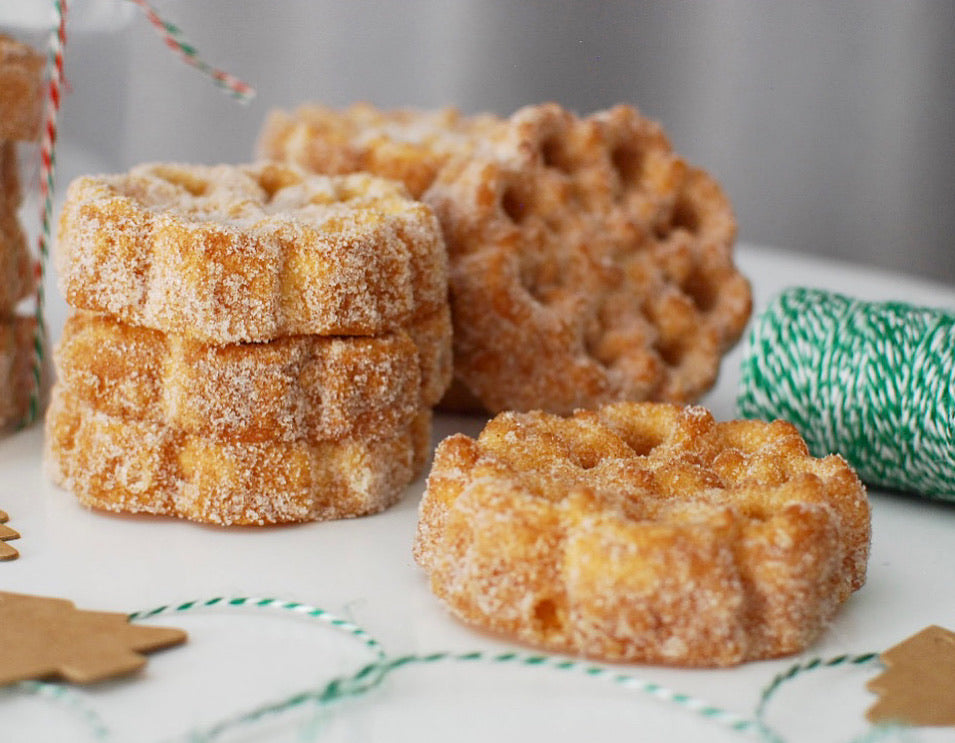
{"points": [[362, 570]]}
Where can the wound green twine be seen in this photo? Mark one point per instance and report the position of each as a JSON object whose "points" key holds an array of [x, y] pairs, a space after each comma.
{"points": [[871, 381]]}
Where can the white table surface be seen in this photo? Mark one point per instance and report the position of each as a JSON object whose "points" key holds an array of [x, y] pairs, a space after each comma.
{"points": [[362, 570]]}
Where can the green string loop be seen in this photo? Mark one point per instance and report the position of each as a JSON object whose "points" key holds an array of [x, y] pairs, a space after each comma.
{"points": [[373, 674]]}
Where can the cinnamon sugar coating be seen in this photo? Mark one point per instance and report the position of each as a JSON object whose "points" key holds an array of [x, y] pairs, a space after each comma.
{"points": [[643, 532], [10, 193], [298, 387], [140, 466], [21, 90], [16, 265], [588, 261], [407, 145], [229, 254], [17, 278], [16, 368], [249, 344]]}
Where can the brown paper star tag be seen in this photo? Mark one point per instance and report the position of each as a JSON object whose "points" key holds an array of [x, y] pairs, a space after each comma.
{"points": [[918, 687], [42, 637], [6, 551]]}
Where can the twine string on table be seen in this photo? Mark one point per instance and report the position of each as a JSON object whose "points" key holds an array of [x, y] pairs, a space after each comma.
{"points": [[293, 607], [871, 381], [56, 46], [74, 701], [770, 735], [65, 696], [371, 675], [294, 701]]}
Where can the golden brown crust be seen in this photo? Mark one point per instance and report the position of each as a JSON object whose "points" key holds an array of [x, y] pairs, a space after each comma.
{"points": [[407, 145], [21, 90], [10, 193], [431, 335], [17, 364], [643, 532], [299, 387], [229, 254], [17, 278], [249, 344], [139, 466], [588, 262]]}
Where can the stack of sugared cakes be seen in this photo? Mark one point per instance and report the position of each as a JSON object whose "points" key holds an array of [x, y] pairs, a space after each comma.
{"points": [[247, 344]]}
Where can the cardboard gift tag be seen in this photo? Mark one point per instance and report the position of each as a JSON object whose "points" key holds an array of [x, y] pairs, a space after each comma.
{"points": [[42, 637], [918, 685]]}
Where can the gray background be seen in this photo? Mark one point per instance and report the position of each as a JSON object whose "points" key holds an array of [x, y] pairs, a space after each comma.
{"points": [[829, 123]]}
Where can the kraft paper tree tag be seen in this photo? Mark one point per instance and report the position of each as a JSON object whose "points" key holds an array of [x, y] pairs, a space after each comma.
{"points": [[43, 637], [918, 686], [6, 551]]}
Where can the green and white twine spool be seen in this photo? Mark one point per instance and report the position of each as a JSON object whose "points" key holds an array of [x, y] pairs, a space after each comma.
{"points": [[871, 381]]}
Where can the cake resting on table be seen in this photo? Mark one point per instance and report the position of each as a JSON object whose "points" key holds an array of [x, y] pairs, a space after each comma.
{"points": [[588, 261], [643, 532], [248, 344]]}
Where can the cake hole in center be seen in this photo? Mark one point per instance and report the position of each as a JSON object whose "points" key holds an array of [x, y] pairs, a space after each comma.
{"points": [[546, 615], [514, 205]]}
